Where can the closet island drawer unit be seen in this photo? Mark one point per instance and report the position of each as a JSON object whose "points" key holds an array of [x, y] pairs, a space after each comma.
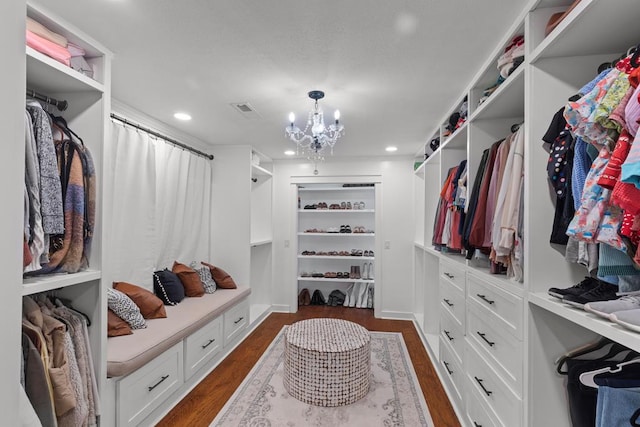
{"points": [[491, 337], [453, 334], [236, 320], [453, 369], [144, 390], [505, 305], [494, 391], [478, 413], [453, 274], [201, 346], [452, 300]]}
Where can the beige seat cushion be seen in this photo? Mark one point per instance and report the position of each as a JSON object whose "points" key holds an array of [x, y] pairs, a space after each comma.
{"points": [[127, 353]]}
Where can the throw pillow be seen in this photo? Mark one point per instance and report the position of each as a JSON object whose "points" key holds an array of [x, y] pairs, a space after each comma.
{"points": [[205, 277], [168, 287], [125, 309], [221, 277], [150, 305], [116, 326], [190, 280]]}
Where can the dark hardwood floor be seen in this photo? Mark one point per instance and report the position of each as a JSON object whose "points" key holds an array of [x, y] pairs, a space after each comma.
{"points": [[204, 402]]}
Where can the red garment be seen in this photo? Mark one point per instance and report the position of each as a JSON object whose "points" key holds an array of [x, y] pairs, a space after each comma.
{"points": [[441, 214], [611, 173], [455, 239]]}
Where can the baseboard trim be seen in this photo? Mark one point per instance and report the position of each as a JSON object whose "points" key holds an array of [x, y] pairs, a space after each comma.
{"points": [[396, 315], [280, 308]]}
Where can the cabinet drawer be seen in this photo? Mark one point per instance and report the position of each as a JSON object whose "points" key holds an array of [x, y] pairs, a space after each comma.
{"points": [[453, 334], [236, 320], [453, 273], [478, 414], [493, 390], [452, 299], [506, 306], [502, 348], [201, 346], [452, 369], [141, 392]]}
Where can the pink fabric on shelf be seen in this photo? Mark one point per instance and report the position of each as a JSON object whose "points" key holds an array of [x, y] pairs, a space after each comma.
{"points": [[48, 48]]}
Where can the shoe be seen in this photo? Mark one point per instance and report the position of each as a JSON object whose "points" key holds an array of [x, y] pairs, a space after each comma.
{"points": [[604, 292], [606, 308], [365, 271], [630, 319], [586, 285], [361, 301], [354, 294], [370, 296], [304, 297], [356, 269], [343, 228], [347, 229], [336, 298], [349, 205], [318, 298], [370, 271], [348, 295]]}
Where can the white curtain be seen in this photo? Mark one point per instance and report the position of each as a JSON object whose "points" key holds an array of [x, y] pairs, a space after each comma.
{"points": [[160, 202]]}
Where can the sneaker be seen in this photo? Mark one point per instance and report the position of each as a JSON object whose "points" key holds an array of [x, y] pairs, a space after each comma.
{"points": [[630, 319], [606, 308], [604, 292], [586, 285]]}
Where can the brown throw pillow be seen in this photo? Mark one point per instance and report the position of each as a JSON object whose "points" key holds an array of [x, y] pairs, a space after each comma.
{"points": [[221, 277], [190, 280], [150, 305], [116, 326]]}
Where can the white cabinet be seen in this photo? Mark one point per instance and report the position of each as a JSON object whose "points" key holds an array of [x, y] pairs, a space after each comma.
{"points": [[202, 346], [236, 320], [336, 237]]}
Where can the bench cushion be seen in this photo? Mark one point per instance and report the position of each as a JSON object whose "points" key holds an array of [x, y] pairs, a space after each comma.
{"points": [[127, 353]]}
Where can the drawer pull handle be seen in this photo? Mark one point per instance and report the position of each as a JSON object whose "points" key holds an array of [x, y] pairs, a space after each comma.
{"points": [[447, 334], [475, 424], [239, 320], [446, 366], [479, 381], [164, 377], [449, 275], [485, 299], [208, 343], [449, 303], [483, 336]]}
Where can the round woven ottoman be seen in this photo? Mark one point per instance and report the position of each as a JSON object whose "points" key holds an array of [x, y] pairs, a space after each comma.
{"points": [[327, 362]]}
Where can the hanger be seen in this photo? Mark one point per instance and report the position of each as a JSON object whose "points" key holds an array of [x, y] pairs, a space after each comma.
{"points": [[587, 378], [580, 351], [60, 120]]}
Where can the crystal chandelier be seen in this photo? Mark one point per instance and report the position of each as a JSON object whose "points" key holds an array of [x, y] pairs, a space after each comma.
{"points": [[314, 144]]}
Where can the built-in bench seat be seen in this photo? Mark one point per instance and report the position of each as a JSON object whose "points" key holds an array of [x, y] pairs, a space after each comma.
{"points": [[126, 354]]}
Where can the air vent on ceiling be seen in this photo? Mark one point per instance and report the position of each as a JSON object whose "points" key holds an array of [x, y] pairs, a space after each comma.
{"points": [[246, 110]]}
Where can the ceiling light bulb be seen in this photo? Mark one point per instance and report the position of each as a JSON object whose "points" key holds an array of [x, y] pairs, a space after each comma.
{"points": [[391, 149], [182, 116], [336, 115], [289, 153], [292, 117]]}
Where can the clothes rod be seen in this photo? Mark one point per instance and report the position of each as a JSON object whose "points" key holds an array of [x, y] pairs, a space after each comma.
{"points": [[59, 104], [159, 135]]}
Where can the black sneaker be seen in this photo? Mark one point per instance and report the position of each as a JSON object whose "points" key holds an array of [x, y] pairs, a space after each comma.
{"points": [[604, 292], [586, 285]]}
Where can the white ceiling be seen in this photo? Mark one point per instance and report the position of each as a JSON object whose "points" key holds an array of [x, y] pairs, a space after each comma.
{"points": [[392, 67]]}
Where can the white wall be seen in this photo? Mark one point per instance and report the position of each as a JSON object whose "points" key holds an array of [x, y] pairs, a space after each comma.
{"points": [[396, 263]]}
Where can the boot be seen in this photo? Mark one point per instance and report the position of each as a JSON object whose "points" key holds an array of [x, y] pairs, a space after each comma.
{"points": [[303, 297], [365, 271], [356, 272], [354, 294], [348, 296], [360, 294], [370, 296]]}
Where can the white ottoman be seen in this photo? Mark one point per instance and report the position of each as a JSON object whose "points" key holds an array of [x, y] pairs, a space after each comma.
{"points": [[327, 362]]}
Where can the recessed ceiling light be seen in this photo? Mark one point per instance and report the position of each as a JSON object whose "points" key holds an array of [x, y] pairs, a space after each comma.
{"points": [[182, 116], [391, 149], [290, 153]]}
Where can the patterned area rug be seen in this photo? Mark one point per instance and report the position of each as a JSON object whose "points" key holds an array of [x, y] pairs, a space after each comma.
{"points": [[395, 398]]}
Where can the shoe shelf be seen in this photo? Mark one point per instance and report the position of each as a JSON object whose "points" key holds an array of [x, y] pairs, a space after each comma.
{"points": [[337, 210], [344, 257], [336, 234], [326, 279], [587, 320], [36, 284]]}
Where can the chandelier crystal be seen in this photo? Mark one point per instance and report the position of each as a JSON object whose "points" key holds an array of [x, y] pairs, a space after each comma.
{"points": [[314, 139]]}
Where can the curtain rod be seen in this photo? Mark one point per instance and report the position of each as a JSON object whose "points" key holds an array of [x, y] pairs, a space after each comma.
{"points": [[159, 135], [59, 104]]}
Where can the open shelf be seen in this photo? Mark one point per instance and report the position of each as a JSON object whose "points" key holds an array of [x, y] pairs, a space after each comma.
{"points": [[336, 234], [48, 75], [337, 210], [260, 171], [36, 284], [587, 30], [325, 279], [305, 189], [457, 139], [261, 242], [507, 101], [587, 320], [356, 258]]}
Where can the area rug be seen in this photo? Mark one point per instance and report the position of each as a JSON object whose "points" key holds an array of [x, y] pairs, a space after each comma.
{"points": [[395, 398]]}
